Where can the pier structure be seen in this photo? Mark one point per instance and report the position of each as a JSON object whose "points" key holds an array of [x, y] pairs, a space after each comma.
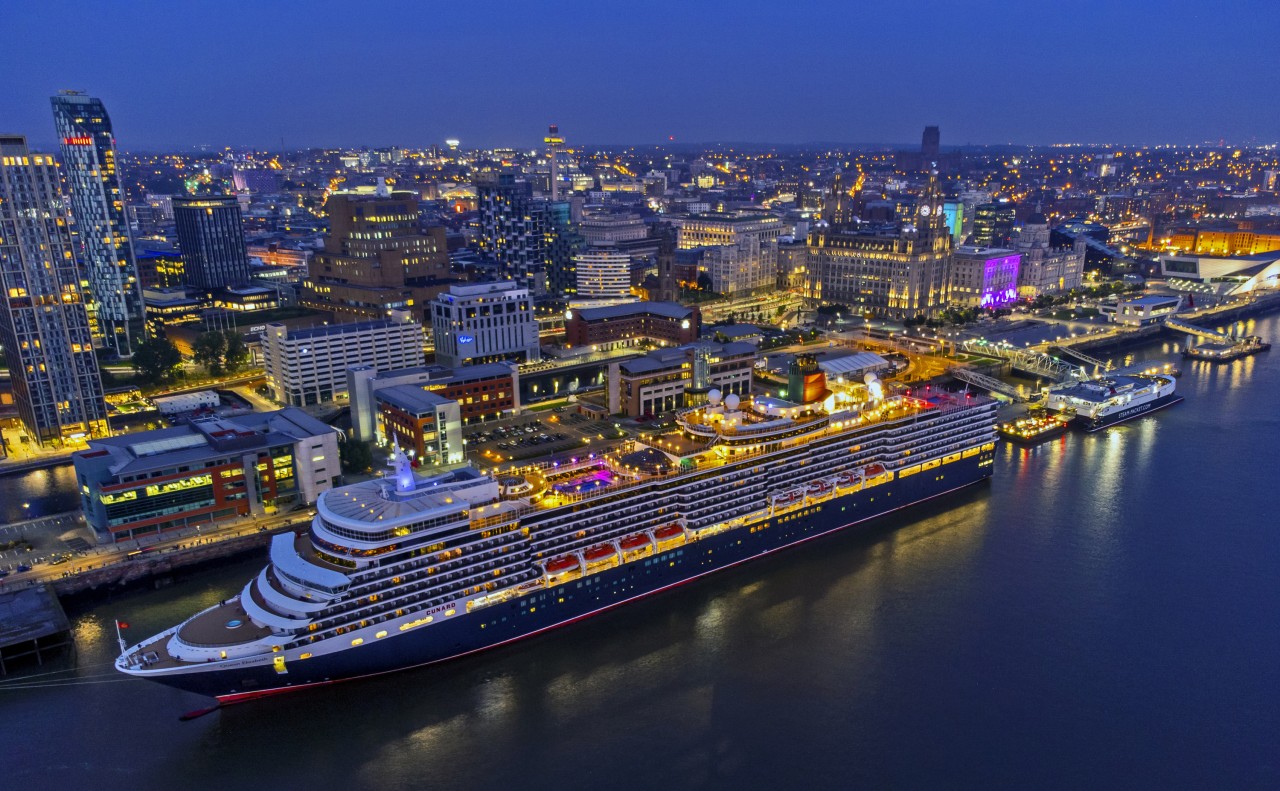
{"points": [[32, 623]]}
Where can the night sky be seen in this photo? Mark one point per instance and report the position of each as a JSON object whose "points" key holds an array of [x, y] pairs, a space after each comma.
{"points": [[178, 75]]}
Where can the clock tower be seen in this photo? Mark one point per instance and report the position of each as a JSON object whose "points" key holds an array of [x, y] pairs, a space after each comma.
{"points": [[931, 223]]}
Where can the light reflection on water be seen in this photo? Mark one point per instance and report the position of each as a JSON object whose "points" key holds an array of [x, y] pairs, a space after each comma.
{"points": [[1104, 590]]}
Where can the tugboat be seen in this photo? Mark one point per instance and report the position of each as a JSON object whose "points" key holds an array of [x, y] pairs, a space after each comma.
{"points": [[1036, 426]]}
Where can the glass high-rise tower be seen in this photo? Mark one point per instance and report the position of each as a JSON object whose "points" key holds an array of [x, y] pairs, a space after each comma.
{"points": [[44, 327], [211, 238], [97, 203]]}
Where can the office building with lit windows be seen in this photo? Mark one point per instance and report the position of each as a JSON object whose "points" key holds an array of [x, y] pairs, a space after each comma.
{"points": [[97, 202], [993, 224], [603, 274], [44, 327], [377, 258], [309, 365], [211, 239], [659, 381], [482, 392], [484, 323], [514, 226], [205, 471], [1046, 268], [425, 425]]}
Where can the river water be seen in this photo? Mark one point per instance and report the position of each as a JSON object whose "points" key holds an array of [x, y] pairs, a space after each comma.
{"points": [[1106, 613]]}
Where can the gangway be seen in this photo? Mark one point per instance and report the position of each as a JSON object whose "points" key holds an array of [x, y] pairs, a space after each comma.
{"points": [[1175, 323], [1028, 360], [1102, 365], [987, 383]]}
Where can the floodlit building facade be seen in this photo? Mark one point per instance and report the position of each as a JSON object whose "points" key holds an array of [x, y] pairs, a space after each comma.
{"points": [[44, 327], [97, 201], [897, 271], [982, 277]]}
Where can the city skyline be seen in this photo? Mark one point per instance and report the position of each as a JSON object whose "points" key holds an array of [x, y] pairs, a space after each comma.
{"points": [[716, 72]]}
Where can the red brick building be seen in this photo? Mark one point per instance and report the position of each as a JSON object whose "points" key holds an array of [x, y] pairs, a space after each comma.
{"points": [[618, 326]]}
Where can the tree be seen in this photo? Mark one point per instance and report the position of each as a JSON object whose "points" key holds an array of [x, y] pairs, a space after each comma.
{"points": [[704, 281], [156, 360], [208, 350], [355, 456], [236, 353]]}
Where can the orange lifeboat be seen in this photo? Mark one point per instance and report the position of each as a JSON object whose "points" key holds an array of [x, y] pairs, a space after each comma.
{"points": [[874, 470], [668, 532], [819, 487], [562, 564], [631, 543], [600, 553]]}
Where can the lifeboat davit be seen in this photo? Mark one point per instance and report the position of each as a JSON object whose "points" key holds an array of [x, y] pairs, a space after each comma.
{"points": [[819, 487], [670, 531], [847, 479], [600, 553], [561, 565], [638, 541]]}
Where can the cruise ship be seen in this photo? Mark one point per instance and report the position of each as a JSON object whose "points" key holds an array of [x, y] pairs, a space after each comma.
{"points": [[405, 571], [1099, 403]]}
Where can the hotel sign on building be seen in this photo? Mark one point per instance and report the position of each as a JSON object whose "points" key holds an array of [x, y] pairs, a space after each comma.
{"points": [[484, 322]]}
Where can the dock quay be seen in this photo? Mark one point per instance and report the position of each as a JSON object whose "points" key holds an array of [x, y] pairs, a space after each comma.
{"points": [[32, 624], [157, 566]]}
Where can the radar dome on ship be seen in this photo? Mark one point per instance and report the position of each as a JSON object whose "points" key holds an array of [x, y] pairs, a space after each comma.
{"points": [[732, 402], [714, 396]]}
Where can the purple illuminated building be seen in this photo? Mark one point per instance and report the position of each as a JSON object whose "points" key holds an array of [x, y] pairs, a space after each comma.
{"points": [[983, 277]]}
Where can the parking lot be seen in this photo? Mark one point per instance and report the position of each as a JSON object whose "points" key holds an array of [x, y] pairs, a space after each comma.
{"points": [[535, 435]]}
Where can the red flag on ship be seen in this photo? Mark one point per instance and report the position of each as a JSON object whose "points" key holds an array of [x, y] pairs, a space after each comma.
{"points": [[122, 625]]}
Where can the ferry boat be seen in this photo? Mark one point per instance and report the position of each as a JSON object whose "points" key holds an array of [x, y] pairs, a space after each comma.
{"points": [[1099, 403], [406, 571]]}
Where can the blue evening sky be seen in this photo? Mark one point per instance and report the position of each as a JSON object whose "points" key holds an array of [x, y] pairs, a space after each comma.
{"points": [[379, 72]]}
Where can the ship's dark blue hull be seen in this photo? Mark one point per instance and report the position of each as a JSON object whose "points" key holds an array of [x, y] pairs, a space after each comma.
{"points": [[1130, 414], [578, 599]]}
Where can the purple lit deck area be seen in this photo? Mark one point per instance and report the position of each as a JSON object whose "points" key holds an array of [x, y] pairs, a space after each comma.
{"points": [[584, 484]]}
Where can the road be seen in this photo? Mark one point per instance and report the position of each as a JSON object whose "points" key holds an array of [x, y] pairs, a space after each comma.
{"points": [[50, 548]]}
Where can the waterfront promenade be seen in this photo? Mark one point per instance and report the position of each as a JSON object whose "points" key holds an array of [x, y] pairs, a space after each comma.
{"points": [[62, 550]]}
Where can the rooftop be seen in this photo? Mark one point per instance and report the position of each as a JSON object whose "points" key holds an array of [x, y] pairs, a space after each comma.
{"points": [[339, 329], [30, 613], [1154, 300], [194, 442], [671, 358], [411, 398], [670, 310]]}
